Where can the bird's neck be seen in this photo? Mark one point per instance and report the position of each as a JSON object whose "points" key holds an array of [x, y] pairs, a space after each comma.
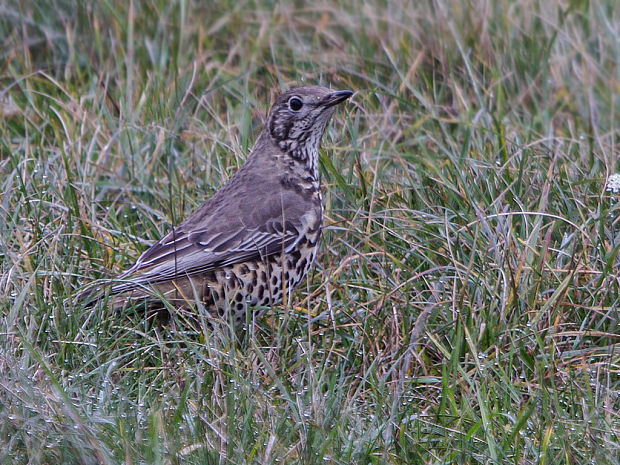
{"points": [[302, 159], [307, 159]]}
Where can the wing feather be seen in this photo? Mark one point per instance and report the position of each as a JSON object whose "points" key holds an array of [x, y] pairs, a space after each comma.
{"points": [[168, 260]]}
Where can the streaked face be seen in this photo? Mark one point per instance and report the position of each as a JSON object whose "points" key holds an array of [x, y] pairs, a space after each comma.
{"points": [[299, 118]]}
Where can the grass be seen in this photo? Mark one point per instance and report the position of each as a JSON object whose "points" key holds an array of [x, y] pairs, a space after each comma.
{"points": [[465, 304]]}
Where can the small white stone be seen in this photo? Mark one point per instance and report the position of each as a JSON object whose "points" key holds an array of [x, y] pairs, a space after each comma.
{"points": [[613, 183]]}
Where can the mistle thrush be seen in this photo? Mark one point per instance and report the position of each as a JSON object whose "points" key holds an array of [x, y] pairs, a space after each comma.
{"points": [[256, 238]]}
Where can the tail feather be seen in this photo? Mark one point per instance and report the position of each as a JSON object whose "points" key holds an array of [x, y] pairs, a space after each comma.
{"points": [[180, 292], [121, 293], [89, 297]]}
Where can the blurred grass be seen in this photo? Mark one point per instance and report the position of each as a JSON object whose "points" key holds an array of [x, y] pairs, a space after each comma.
{"points": [[465, 306]]}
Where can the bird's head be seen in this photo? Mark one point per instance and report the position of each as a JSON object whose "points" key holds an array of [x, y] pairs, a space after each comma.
{"points": [[299, 117]]}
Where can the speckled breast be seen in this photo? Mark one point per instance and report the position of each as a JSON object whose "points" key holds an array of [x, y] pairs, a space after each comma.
{"points": [[258, 283]]}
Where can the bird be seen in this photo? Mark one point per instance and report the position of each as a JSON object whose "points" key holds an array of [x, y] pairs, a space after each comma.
{"points": [[251, 243]]}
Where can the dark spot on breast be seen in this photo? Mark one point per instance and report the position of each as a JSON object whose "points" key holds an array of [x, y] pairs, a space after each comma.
{"points": [[274, 280], [261, 291], [238, 297], [240, 307], [208, 300], [315, 227], [263, 276], [291, 184]]}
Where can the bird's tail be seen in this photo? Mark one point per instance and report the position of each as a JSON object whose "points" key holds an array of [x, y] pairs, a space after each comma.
{"points": [[90, 296], [120, 293]]}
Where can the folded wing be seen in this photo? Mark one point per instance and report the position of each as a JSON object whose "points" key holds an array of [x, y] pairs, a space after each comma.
{"points": [[212, 239]]}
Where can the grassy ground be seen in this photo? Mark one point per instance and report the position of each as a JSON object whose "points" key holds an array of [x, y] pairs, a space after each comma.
{"points": [[465, 305]]}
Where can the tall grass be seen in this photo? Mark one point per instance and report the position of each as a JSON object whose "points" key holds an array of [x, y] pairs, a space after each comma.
{"points": [[465, 304]]}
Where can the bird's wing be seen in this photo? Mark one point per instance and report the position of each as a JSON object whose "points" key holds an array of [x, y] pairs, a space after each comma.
{"points": [[211, 239], [186, 253]]}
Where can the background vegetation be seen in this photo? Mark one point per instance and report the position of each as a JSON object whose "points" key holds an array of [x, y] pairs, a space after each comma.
{"points": [[465, 305]]}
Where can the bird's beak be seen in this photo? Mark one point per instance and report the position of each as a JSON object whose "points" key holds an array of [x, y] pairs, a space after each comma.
{"points": [[336, 97]]}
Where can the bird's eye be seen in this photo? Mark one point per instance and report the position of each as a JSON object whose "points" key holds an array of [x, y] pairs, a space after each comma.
{"points": [[295, 104]]}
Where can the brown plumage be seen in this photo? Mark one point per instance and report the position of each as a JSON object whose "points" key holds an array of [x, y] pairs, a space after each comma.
{"points": [[255, 240]]}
